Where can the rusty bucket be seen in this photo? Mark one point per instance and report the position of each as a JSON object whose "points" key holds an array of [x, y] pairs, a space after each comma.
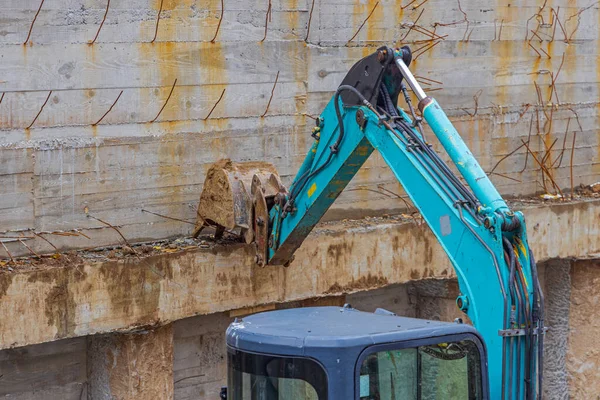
{"points": [[228, 196]]}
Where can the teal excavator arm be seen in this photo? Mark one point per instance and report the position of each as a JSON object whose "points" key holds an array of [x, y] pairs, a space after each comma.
{"points": [[485, 241]]}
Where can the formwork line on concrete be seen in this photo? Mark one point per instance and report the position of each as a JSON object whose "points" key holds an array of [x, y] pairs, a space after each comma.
{"points": [[125, 87], [142, 122], [163, 121]]}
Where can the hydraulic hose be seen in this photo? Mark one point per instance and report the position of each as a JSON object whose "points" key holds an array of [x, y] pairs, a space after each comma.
{"points": [[513, 296], [540, 333], [338, 113], [468, 196], [301, 182]]}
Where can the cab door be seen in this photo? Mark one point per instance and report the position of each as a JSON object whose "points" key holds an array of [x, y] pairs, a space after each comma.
{"points": [[441, 368], [254, 376]]}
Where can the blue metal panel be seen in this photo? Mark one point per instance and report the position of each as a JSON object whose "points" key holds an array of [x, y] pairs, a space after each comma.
{"points": [[320, 192], [461, 156]]}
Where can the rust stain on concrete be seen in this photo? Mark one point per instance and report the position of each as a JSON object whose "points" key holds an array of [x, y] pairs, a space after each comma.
{"points": [[5, 282], [134, 287], [59, 304], [293, 19]]}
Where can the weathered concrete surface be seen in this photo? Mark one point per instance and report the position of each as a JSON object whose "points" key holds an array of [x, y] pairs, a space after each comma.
{"points": [[51, 172], [131, 366], [583, 356], [48, 371], [346, 257], [57, 370], [200, 358], [557, 290]]}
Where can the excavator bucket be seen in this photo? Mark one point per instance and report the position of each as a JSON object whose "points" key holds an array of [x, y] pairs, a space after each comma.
{"points": [[230, 193]]}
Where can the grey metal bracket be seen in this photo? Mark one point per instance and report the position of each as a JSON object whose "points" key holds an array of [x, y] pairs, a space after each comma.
{"points": [[519, 332]]}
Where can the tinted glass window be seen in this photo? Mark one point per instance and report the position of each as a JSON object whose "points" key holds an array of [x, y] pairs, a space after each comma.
{"points": [[436, 372], [263, 377]]}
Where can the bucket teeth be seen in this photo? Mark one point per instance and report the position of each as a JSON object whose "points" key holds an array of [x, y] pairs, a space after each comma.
{"points": [[227, 199]]}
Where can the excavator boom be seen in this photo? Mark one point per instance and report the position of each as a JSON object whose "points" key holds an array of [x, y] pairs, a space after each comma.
{"points": [[485, 240]]}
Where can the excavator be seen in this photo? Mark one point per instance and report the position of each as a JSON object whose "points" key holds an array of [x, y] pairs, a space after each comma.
{"points": [[340, 353]]}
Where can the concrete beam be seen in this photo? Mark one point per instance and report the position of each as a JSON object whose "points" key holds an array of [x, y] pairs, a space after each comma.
{"points": [[97, 297]]}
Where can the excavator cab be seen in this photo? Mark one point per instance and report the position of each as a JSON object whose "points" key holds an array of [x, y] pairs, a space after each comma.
{"points": [[339, 353]]}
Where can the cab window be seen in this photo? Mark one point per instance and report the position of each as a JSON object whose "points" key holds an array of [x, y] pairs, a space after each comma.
{"points": [[432, 372], [264, 377]]}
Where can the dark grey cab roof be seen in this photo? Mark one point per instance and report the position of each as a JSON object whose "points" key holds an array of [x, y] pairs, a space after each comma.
{"points": [[297, 331]]}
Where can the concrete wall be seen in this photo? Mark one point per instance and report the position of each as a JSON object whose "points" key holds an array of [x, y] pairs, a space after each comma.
{"points": [[51, 172], [57, 370]]}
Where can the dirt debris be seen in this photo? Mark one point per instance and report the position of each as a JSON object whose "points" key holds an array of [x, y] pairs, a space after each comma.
{"points": [[74, 258], [592, 190]]}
